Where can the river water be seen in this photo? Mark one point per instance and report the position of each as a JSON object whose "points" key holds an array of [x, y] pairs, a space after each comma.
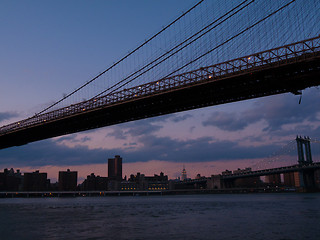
{"points": [[217, 216]]}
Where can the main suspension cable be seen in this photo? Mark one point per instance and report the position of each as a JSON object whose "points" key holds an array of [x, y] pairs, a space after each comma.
{"points": [[122, 59], [215, 21]]}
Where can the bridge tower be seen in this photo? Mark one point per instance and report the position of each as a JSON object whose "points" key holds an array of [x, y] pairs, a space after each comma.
{"points": [[304, 150], [306, 177]]}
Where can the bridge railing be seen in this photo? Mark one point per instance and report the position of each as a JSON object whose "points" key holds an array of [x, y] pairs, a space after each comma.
{"points": [[278, 56]]}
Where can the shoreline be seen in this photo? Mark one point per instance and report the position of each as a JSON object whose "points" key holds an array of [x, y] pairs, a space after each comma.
{"points": [[46, 194]]}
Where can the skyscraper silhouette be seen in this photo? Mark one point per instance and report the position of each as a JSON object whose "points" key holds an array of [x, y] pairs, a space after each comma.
{"points": [[115, 168]]}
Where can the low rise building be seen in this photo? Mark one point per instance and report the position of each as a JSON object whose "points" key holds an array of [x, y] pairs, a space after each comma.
{"points": [[142, 183], [214, 182], [11, 180], [95, 183]]}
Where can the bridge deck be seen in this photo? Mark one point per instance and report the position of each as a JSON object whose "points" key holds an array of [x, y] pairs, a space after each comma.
{"points": [[288, 68], [265, 172]]}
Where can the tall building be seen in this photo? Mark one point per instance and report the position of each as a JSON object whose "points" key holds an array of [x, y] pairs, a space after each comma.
{"points": [[184, 174], [115, 168], [68, 180]]}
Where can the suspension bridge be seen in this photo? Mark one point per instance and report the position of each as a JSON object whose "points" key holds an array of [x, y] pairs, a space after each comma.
{"points": [[303, 174], [187, 74]]}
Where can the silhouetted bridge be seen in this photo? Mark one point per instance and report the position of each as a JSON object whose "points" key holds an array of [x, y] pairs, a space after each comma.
{"points": [[290, 68], [304, 175], [272, 171]]}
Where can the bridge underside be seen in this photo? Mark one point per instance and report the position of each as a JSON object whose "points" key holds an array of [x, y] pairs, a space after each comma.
{"points": [[256, 83]]}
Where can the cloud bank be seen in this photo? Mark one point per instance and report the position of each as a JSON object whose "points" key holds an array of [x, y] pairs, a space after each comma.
{"points": [[251, 130]]}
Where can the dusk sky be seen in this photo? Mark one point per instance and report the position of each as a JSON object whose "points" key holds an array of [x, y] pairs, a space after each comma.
{"points": [[49, 48]]}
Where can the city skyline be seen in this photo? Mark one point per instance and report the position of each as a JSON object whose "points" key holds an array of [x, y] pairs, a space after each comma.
{"points": [[300, 177], [179, 173], [206, 140], [68, 180], [295, 152]]}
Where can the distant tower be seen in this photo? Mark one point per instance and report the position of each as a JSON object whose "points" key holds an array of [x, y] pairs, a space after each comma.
{"points": [[304, 150], [184, 174], [115, 168]]}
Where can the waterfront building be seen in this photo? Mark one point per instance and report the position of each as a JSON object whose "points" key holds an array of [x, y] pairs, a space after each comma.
{"points": [[245, 170], [226, 172], [142, 183], [200, 182], [11, 180], [214, 182], [35, 181], [128, 185], [68, 180], [95, 183], [157, 182], [2, 182]]}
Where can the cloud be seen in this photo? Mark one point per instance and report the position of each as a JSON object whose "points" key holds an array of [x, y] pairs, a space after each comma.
{"points": [[117, 133], [134, 129], [285, 109], [178, 118], [7, 115], [191, 129], [143, 128], [48, 152], [275, 112], [75, 139], [229, 121], [196, 150]]}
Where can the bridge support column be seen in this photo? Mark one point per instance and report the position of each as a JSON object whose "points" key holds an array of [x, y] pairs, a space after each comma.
{"points": [[289, 179], [274, 179], [317, 178], [307, 180], [228, 183], [301, 180]]}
